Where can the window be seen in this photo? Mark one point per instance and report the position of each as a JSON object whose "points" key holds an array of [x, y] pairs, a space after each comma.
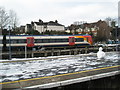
{"points": [[38, 40], [15, 41], [0, 41], [50, 40], [45, 40], [79, 39]]}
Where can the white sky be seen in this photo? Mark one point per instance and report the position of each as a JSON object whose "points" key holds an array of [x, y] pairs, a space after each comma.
{"points": [[65, 11]]}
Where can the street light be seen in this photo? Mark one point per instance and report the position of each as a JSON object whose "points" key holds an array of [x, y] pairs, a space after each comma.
{"points": [[9, 45]]}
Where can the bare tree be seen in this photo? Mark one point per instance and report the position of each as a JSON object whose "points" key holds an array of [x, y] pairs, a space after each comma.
{"points": [[4, 18], [111, 22], [7, 19], [13, 19]]}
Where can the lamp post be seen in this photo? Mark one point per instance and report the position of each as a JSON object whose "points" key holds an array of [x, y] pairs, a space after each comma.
{"points": [[45, 28], [9, 45]]}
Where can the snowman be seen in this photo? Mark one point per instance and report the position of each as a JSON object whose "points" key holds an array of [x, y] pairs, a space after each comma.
{"points": [[100, 53]]}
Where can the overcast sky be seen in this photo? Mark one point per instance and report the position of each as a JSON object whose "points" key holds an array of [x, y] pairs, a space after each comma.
{"points": [[65, 11]]}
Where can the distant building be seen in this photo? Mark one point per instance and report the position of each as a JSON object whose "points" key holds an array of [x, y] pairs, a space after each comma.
{"points": [[99, 28], [79, 22], [44, 26], [28, 27], [22, 29], [88, 28]]}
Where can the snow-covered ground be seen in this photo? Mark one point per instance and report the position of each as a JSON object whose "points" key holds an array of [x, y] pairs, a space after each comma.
{"points": [[54, 65]]}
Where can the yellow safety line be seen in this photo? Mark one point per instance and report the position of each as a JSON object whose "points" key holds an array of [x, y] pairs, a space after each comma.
{"points": [[60, 75]]}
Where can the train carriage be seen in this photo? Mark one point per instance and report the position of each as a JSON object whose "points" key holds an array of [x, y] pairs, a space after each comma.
{"points": [[20, 41]]}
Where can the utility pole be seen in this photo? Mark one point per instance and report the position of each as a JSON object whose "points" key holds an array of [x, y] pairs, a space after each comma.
{"points": [[118, 24], [119, 14], [9, 45]]}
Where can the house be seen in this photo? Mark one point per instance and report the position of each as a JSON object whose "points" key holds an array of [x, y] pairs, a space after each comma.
{"points": [[99, 28], [41, 26], [88, 28], [28, 27], [22, 29]]}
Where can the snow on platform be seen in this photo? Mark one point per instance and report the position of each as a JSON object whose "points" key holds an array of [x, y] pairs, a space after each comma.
{"points": [[53, 65]]}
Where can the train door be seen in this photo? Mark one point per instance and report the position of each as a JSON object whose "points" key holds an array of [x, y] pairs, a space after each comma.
{"points": [[71, 41], [30, 41]]}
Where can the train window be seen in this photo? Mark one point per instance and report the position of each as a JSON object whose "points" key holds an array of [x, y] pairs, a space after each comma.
{"points": [[63, 40], [38, 40], [79, 39], [52, 40], [42, 40], [7, 41], [46, 40], [13, 41], [66, 40], [58, 40], [0, 41], [17, 41], [22, 41]]}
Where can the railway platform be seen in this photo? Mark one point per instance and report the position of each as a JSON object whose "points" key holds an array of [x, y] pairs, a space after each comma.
{"points": [[51, 72], [63, 79]]}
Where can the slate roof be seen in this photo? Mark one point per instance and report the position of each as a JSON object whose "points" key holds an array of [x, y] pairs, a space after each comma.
{"points": [[48, 23], [90, 25]]}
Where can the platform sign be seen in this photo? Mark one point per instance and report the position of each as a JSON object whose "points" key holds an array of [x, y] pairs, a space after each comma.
{"points": [[71, 40], [30, 41]]}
